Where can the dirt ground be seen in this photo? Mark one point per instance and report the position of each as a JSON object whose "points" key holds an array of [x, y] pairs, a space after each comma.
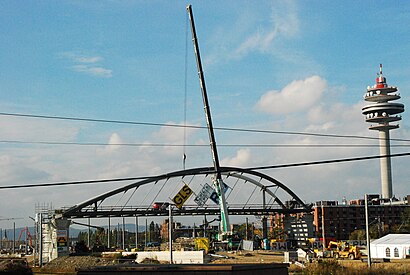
{"points": [[248, 257], [401, 267], [69, 264]]}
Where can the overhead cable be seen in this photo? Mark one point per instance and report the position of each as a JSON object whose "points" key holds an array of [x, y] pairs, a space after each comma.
{"points": [[193, 126], [249, 168], [71, 183], [326, 161], [198, 145]]}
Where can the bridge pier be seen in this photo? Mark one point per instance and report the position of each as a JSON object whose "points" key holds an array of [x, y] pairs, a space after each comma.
{"points": [[54, 239]]}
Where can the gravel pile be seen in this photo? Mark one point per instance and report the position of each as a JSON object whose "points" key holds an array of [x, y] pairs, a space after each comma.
{"points": [[72, 263]]}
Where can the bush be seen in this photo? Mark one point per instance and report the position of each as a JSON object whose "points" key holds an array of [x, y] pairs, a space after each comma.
{"points": [[328, 267], [334, 267]]}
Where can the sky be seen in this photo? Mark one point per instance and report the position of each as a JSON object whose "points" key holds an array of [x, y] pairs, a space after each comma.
{"points": [[292, 66]]}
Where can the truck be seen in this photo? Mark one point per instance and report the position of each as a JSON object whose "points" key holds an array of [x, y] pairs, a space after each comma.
{"points": [[160, 205], [340, 250]]}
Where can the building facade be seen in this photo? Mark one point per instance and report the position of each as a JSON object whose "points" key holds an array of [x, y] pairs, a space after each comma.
{"points": [[338, 221]]}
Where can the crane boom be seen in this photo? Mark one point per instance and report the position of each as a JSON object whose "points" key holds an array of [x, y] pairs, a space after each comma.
{"points": [[217, 181]]}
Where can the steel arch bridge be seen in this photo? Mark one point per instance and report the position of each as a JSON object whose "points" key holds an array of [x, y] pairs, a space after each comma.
{"points": [[254, 193]]}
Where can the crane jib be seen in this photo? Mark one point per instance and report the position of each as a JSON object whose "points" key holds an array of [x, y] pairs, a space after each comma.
{"points": [[218, 184]]}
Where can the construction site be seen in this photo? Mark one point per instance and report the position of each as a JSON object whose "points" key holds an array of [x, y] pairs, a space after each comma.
{"points": [[222, 219]]}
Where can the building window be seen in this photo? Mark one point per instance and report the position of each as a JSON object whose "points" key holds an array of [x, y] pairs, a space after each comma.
{"points": [[387, 252], [396, 252]]}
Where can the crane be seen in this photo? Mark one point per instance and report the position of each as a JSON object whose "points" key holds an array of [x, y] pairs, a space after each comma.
{"points": [[217, 180], [28, 236]]}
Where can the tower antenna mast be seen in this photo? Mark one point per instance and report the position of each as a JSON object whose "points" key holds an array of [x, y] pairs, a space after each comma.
{"points": [[383, 112]]}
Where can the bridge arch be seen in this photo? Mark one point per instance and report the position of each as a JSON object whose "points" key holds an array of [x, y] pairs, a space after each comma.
{"points": [[272, 196]]}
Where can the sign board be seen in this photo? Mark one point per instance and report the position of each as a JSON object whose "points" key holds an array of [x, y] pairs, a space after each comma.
{"points": [[204, 194], [62, 238], [62, 233], [182, 196], [214, 196]]}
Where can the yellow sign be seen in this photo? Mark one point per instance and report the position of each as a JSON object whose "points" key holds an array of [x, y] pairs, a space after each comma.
{"points": [[62, 239], [202, 244], [182, 196]]}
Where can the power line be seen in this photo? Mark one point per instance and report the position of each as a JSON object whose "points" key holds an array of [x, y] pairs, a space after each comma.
{"points": [[326, 161], [72, 183], [201, 145], [194, 126], [249, 168]]}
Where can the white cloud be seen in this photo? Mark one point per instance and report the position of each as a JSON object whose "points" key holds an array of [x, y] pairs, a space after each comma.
{"points": [[297, 96], [242, 159], [284, 23], [89, 59], [89, 65], [80, 58], [257, 30], [91, 70], [22, 129], [114, 144]]}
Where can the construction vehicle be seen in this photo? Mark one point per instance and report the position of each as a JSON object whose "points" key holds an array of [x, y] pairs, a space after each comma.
{"points": [[26, 247], [218, 184], [340, 250], [160, 205]]}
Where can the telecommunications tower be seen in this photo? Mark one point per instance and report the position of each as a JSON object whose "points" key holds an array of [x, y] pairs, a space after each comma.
{"points": [[381, 111]]}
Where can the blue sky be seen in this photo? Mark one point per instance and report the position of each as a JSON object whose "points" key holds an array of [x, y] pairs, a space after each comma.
{"points": [[299, 66]]}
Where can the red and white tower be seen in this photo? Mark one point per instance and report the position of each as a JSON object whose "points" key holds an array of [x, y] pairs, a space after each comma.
{"points": [[382, 112]]}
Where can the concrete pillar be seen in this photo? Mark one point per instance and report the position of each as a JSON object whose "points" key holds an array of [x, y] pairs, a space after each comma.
{"points": [[123, 233], [61, 237], [385, 164], [54, 239], [264, 219], [89, 234], [136, 232], [109, 233]]}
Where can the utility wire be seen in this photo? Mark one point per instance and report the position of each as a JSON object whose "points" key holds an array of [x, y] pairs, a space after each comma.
{"points": [[250, 168], [194, 126], [201, 145], [72, 183], [327, 161]]}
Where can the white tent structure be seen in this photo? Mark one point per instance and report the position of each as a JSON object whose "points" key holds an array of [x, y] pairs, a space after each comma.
{"points": [[392, 246]]}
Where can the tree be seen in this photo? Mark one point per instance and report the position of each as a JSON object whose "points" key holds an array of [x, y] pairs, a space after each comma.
{"points": [[358, 234], [374, 231], [241, 231], [404, 227]]}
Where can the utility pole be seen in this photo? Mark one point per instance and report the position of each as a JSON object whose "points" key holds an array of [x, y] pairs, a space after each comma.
{"points": [[246, 229], [40, 240], [170, 234], [369, 258], [323, 227], [264, 218], [205, 226], [14, 237], [146, 230], [89, 233], [109, 233], [136, 232], [123, 233]]}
